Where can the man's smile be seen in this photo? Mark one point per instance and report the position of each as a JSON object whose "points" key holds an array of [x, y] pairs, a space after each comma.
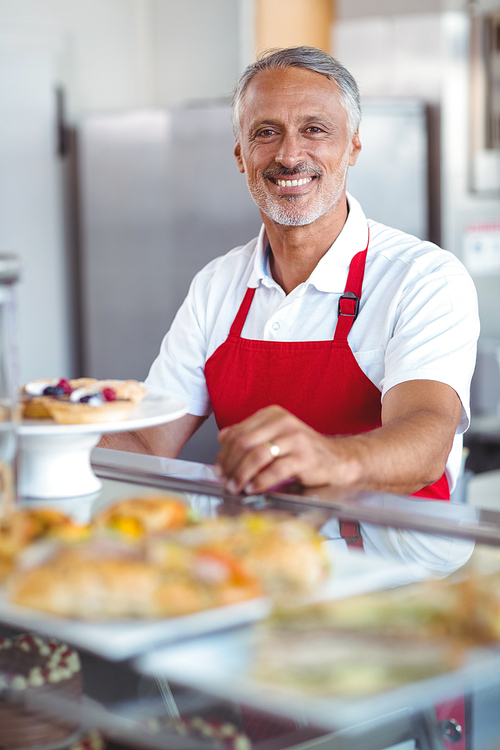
{"points": [[290, 181], [293, 183]]}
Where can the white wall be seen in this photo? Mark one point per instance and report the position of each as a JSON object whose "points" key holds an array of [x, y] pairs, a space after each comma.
{"points": [[372, 8], [118, 54], [196, 49], [108, 55], [30, 210], [392, 55]]}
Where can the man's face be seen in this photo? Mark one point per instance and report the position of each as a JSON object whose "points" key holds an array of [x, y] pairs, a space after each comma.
{"points": [[294, 145]]}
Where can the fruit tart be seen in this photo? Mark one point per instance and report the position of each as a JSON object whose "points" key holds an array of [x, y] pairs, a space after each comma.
{"points": [[80, 401]]}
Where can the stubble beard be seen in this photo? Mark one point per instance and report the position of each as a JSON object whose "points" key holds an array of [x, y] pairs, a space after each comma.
{"points": [[285, 211]]}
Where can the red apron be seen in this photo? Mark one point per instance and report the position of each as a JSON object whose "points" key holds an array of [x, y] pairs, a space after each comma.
{"points": [[318, 381]]}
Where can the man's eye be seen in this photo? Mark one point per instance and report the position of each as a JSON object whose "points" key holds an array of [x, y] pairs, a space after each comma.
{"points": [[314, 129], [267, 133]]}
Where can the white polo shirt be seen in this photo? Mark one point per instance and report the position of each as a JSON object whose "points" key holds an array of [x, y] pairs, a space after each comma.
{"points": [[418, 317]]}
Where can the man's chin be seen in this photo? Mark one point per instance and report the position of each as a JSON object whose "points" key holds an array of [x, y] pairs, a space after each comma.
{"points": [[291, 219], [289, 215]]}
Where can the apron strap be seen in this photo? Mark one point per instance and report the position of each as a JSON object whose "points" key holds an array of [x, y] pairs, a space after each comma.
{"points": [[350, 531], [349, 300], [242, 313]]}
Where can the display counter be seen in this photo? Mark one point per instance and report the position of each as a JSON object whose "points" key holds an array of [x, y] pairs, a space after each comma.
{"points": [[196, 681]]}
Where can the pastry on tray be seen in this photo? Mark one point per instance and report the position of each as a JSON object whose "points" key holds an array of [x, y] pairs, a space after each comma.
{"points": [[150, 556], [328, 664], [22, 526], [145, 556], [34, 400], [143, 514], [378, 641], [106, 578], [80, 401], [284, 552]]}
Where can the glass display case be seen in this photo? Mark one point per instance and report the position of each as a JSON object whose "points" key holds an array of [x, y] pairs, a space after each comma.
{"points": [[396, 644]]}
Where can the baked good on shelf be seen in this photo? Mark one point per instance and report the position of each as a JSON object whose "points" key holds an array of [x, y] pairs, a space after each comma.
{"points": [[143, 514], [451, 609], [34, 668], [112, 578], [380, 640], [22, 526], [481, 602], [81, 401], [328, 664], [284, 552], [146, 557], [33, 400]]}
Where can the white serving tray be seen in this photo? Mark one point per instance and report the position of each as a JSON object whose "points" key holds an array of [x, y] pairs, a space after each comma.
{"points": [[122, 639], [220, 665], [354, 573]]}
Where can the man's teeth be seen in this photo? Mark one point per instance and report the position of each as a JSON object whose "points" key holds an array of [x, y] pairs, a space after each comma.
{"points": [[293, 183]]}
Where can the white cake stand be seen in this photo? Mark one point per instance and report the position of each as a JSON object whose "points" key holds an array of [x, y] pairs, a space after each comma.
{"points": [[54, 460]]}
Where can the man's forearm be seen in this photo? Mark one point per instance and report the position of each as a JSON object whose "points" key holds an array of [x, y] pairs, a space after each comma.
{"points": [[124, 441], [409, 451], [161, 440], [401, 457]]}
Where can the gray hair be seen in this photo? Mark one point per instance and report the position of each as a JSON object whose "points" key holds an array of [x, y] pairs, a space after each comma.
{"points": [[312, 59]]}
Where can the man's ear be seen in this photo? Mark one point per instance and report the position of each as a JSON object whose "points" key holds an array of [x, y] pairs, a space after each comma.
{"points": [[237, 156], [355, 149]]}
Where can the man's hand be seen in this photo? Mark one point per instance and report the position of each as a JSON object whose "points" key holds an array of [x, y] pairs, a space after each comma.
{"points": [[270, 447], [408, 452]]}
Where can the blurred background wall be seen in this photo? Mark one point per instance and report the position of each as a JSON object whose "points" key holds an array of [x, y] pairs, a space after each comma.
{"points": [[104, 56], [64, 62]]}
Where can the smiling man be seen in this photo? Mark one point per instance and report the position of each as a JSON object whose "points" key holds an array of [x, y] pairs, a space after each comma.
{"points": [[294, 145], [331, 349]]}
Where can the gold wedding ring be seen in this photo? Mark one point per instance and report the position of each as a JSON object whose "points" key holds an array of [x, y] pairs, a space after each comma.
{"points": [[274, 449]]}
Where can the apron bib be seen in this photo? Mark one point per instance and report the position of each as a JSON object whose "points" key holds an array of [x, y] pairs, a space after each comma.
{"points": [[319, 382]]}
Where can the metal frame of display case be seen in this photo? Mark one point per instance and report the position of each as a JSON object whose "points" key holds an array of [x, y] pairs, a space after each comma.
{"points": [[384, 509]]}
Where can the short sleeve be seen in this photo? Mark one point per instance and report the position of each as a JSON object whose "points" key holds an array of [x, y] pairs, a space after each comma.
{"points": [[179, 368], [435, 333]]}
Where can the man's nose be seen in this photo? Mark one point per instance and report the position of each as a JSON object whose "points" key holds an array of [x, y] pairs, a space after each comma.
{"points": [[290, 150]]}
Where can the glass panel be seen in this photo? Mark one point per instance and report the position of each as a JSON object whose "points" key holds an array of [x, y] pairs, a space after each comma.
{"points": [[396, 644]]}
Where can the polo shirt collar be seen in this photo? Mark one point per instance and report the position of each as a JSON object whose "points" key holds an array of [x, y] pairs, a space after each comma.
{"points": [[330, 275], [331, 272], [261, 272]]}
